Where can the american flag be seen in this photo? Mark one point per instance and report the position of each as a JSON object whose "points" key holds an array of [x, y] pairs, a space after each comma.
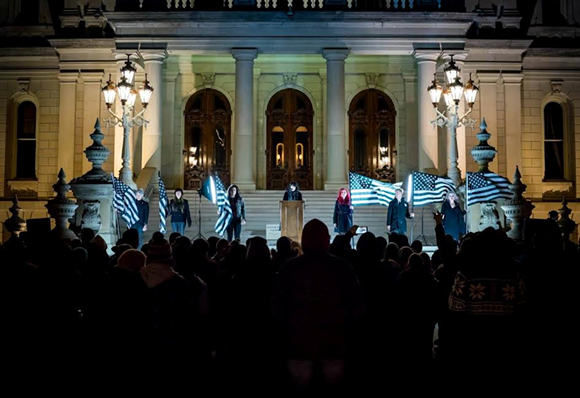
{"points": [[124, 202], [213, 189], [366, 191], [163, 206], [429, 188], [486, 187]]}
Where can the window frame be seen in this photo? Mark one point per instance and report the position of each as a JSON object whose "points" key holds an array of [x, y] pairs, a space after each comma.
{"points": [[564, 103], [12, 144]]}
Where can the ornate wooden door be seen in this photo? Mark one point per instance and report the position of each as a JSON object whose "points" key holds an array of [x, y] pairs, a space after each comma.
{"points": [[207, 137], [372, 146], [289, 140]]}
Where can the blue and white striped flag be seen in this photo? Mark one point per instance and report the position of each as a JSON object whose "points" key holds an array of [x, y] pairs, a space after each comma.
{"points": [[215, 191], [224, 206], [163, 206], [486, 187], [124, 202], [430, 188], [365, 191]]}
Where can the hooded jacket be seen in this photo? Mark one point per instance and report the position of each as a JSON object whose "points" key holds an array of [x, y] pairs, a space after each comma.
{"points": [[292, 195]]}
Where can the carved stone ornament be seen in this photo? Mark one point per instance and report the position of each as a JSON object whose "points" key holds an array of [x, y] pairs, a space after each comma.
{"points": [[91, 217], [372, 79], [290, 79], [24, 84], [557, 86], [208, 79]]}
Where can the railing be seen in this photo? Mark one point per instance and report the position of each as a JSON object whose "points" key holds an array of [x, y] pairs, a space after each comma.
{"points": [[289, 5]]}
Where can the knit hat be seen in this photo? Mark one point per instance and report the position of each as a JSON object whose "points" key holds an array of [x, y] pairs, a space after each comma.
{"points": [[159, 250], [132, 260], [315, 237], [99, 242]]}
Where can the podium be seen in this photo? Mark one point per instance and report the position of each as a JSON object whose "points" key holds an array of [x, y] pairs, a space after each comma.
{"points": [[292, 218]]}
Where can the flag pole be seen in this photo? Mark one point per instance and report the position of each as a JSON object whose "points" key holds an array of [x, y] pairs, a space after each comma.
{"points": [[467, 201]]}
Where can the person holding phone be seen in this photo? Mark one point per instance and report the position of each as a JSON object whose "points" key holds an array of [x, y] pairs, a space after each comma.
{"points": [[398, 214]]}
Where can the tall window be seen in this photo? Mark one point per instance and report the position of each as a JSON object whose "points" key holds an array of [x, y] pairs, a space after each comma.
{"points": [[554, 142], [26, 141]]}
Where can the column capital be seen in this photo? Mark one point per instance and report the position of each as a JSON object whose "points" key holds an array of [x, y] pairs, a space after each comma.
{"points": [[121, 55], [426, 56], [245, 54], [170, 75], [154, 56], [335, 54], [66, 77], [488, 77], [512, 78], [92, 77], [458, 56]]}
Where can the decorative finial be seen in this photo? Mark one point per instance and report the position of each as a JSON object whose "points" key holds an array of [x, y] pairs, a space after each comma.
{"points": [[483, 125]]}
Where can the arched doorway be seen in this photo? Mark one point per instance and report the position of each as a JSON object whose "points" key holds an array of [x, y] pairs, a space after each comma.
{"points": [[207, 145], [289, 140], [372, 144]]}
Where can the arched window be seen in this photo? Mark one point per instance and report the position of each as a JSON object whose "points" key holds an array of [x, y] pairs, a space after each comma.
{"points": [[26, 141], [554, 160]]}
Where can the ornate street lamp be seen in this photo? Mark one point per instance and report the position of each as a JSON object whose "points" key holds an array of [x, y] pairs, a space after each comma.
{"points": [[128, 96], [452, 93]]}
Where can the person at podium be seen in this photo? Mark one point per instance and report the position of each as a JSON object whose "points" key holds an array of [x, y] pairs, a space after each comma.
{"points": [[343, 209], [292, 192]]}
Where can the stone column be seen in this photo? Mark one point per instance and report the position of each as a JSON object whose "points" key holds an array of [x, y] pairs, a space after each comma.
{"points": [[488, 102], [321, 147], [337, 164], [411, 124], [513, 120], [428, 138], [167, 158], [66, 120], [93, 98], [151, 154], [243, 172], [258, 142]]}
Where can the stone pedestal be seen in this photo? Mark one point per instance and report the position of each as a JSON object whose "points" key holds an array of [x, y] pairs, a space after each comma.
{"points": [[518, 208], [483, 154], [94, 193], [566, 224], [15, 224], [61, 209]]}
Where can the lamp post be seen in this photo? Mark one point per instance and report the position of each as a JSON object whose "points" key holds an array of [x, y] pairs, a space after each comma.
{"points": [[128, 95], [451, 118]]}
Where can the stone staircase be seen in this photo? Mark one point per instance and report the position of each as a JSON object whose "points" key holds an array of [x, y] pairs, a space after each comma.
{"points": [[262, 208]]}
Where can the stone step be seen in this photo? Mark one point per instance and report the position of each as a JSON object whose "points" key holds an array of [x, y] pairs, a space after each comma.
{"points": [[262, 208]]}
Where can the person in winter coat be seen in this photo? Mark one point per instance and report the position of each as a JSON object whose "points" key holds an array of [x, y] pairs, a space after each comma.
{"points": [[342, 218], [180, 214], [292, 192], [453, 220]]}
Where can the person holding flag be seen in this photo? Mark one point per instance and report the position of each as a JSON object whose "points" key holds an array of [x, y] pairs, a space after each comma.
{"points": [[180, 214], [237, 208], [398, 213], [143, 215]]}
